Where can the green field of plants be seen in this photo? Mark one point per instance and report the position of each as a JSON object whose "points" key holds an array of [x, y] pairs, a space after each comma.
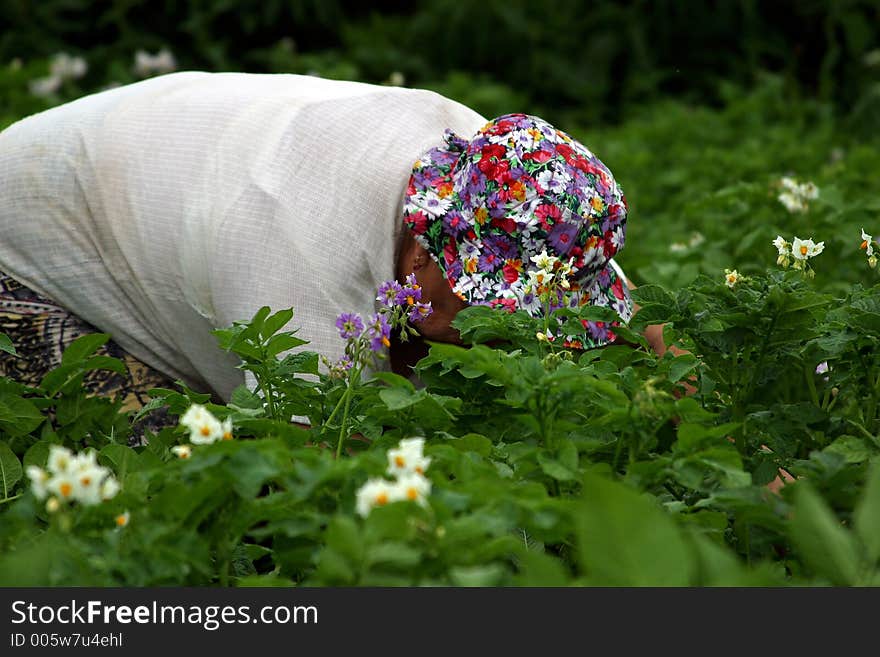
{"points": [[518, 462]]}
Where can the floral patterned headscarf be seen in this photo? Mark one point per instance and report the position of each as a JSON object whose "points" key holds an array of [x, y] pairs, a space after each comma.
{"points": [[485, 208]]}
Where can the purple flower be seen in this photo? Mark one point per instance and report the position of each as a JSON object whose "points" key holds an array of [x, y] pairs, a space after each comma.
{"points": [[454, 269], [496, 205], [562, 237], [454, 223], [423, 179], [500, 245], [419, 311], [408, 296], [388, 293], [489, 262], [822, 367], [350, 325], [379, 332], [597, 330]]}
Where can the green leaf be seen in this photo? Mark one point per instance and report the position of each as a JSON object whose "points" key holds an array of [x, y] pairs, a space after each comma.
{"points": [[18, 416], [539, 569], [625, 539], [568, 455], [555, 469], [646, 294], [261, 581], [6, 344], [476, 576], [275, 322], [37, 454], [867, 513], [244, 398], [153, 404], [10, 470], [394, 554], [394, 380], [302, 362], [852, 449], [120, 458], [681, 366], [283, 342], [343, 535], [82, 347], [819, 538], [399, 398], [691, 436], [473, 442]]}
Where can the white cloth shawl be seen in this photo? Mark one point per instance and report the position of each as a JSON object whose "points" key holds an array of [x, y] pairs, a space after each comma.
{"points": [[164, 209]]}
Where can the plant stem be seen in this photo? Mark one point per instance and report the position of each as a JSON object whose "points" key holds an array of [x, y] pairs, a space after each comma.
{"points": [[811, 385], [344, 423], [343, 426], [267, 395], [9, 499]]}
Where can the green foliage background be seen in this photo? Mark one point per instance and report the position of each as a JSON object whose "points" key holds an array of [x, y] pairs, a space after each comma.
{"points": [[605, 477]]}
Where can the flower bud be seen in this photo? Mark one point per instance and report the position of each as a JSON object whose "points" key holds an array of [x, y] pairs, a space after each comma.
{"points": [[872, 261], [52, 505]]}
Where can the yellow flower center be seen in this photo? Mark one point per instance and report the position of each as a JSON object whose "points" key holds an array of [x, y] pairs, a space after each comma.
{"points": [[121, 520], [85, 481], [410, 300], [386, 341], [412, 494], [205, 430], [418, 469], [227, 435], [66, 489], [864, 245], [804, 250], [399, 461], [382, 498]]}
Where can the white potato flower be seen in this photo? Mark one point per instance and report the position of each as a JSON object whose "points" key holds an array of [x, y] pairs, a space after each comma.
{"points": [[39, 480], [204, 428], [68, 68], [60, 459], [411, 487], [226, 429], [63, 485], [731, 277], [182, 451], [88, 485], [782, 245], [805, 249], [796, 195], [792, 203], [375, 492], [109, 488], [146, 64], [867, 243], [407, 458], [45, 87]]}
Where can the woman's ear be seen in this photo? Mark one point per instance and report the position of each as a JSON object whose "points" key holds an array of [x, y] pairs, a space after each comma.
{"points": [[411, 256], [420, 257]]}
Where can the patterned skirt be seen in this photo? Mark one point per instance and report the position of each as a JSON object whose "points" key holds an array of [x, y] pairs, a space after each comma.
{"points": [[41, 330]]}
